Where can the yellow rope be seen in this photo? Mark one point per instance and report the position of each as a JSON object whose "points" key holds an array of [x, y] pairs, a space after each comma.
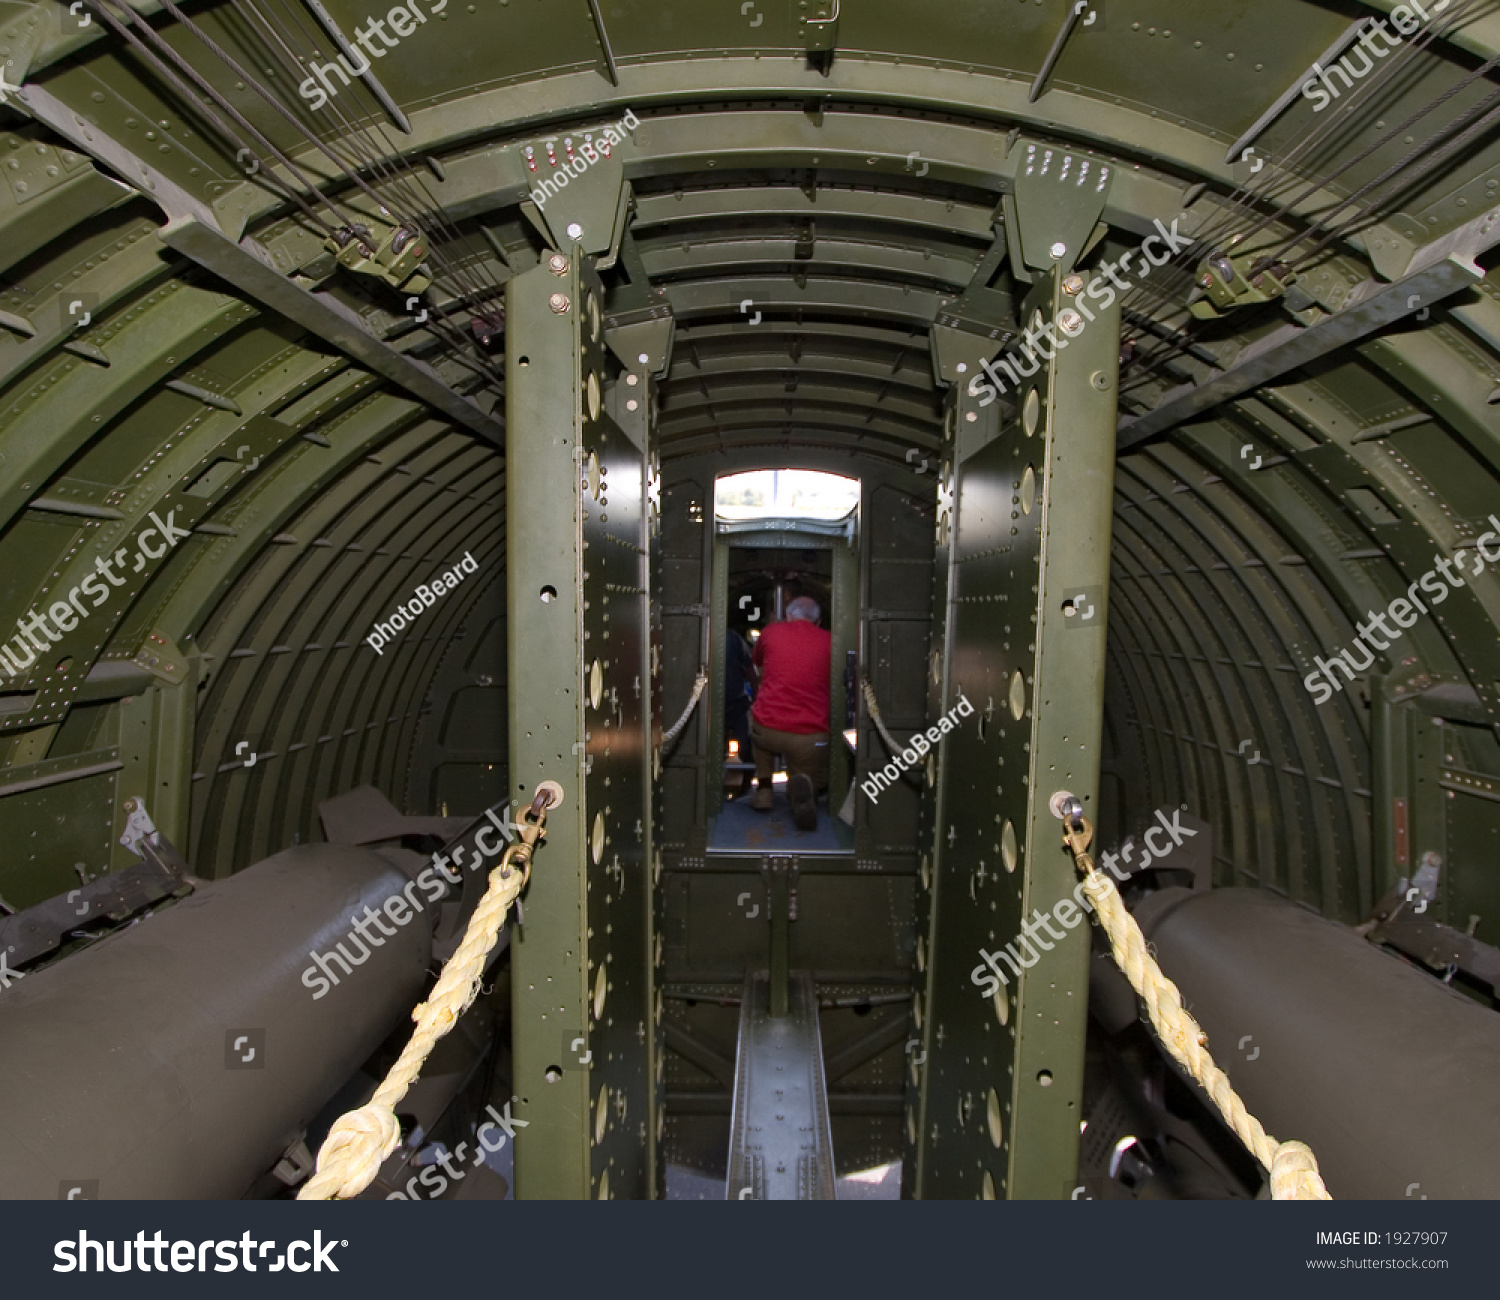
{"points": [[675, 730], [873, 706], [359, 1141], [1292, 1166]]}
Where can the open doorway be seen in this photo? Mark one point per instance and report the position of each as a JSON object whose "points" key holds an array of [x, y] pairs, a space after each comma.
{"points": [[785, 617]]}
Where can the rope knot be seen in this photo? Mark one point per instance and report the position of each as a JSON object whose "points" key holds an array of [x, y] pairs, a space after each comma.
{"points": [[1294, 1174], [352, 1152]]}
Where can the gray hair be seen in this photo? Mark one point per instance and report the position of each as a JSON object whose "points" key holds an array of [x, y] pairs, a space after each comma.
{"points": [[805, 608]]}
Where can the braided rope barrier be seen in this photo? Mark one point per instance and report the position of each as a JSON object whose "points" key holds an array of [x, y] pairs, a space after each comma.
{"points": [[1292, 1165], [671, 734], [359, 1141], [869, 690]]}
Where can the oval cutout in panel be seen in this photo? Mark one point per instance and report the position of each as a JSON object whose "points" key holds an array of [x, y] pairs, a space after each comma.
{"points": [[591, 387], [601, 988], [1009, 850], [596, 683], [926, 871], [596, 840], [921, 954], [601, 1117], [916, 1009], [1028, 491], [1031, 412], [987, 1187], [1002, 1006], [604, 1186], [911, 1126], [992, 1117], [593, 318], [593, 475], [1017, 695]]}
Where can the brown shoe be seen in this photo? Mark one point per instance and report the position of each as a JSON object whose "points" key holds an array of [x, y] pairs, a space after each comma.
{"points": [[799, 793], [762, 800]]}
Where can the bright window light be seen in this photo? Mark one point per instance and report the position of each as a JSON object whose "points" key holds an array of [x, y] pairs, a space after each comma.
{"points": [[785, 494]]}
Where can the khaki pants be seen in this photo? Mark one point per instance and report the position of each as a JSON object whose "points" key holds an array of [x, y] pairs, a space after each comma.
{"points": [[805, 755]]}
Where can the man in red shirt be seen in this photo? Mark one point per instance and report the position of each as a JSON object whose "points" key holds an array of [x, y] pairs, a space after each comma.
{"points": [[790, 715]]}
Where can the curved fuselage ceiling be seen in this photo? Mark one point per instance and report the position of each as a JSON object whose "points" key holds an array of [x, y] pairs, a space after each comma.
{"points": [[813, 189]]}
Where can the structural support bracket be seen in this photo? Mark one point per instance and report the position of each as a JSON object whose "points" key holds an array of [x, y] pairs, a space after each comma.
{"points": [[1052, 215], [1292, 346], [193, 230]]}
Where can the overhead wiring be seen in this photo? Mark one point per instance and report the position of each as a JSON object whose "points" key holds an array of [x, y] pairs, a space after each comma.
{"points": [[1153, 296], [468, 286]]}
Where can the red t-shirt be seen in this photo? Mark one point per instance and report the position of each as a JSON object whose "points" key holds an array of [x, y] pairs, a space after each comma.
{"points": [[793, 662]]}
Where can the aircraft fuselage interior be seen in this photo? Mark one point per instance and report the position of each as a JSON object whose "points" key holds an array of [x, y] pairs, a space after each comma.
{"points": [[778, 602]]}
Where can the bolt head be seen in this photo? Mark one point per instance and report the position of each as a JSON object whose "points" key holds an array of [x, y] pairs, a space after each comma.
{"points": [[1070, 322], [575, 231], [1073, 285], [557, 264], [1059, 249], [559, 303]]}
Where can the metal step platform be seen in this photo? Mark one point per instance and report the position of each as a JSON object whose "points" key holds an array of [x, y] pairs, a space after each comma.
{"points": [[780, 1141]]}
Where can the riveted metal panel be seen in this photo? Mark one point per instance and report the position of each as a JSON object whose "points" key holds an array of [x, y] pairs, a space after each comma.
{"points": [[1025, 669], [576, 506]]}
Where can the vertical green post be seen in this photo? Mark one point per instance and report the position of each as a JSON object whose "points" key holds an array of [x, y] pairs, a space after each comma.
{"points": [[579, 708], [1022, 658]]}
